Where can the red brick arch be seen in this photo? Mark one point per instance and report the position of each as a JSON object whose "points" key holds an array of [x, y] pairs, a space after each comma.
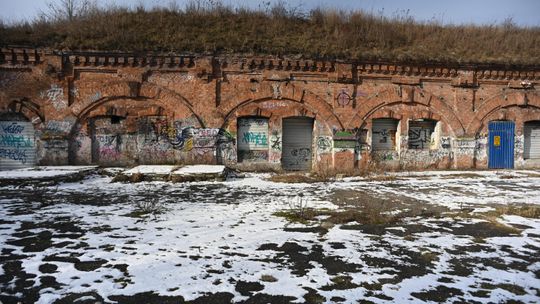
{"points": [[150, 95], [292, 108], [290, 93], [28, 109], [433, 107], [496, 108], [519, 117]]}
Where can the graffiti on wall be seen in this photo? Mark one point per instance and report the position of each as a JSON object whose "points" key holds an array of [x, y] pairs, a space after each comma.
{"points": [[225, 145], [109, 146], [257, 139], [273, 104], [343, 98], [15, 144], [419, 138], [58, 127], [445, 142], [55, 95], [253, 155], [299, 156], [275, 141], [253, 139], [324, 144]]}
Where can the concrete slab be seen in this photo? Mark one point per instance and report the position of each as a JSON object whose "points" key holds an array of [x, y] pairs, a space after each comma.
{"points": [[151, 170], [200, 169]]}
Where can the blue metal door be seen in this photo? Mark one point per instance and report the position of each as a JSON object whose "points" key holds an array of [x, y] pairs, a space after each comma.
{"points": [[501, 144]]}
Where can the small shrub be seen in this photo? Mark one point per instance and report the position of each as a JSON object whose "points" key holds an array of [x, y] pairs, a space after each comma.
{"points": [[148, 207]]}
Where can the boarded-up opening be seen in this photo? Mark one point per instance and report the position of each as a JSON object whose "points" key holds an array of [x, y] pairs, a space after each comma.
{"points": [[532, 140], [297, 143], [420, 132], [111, 143], [384, 134], [252, 139], [17, 142]]}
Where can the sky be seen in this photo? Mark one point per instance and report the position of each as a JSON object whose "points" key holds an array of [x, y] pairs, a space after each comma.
{"points": [[522, 12]]}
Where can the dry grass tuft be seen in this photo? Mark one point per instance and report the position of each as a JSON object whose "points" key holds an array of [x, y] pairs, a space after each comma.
{"points": [[529, 211], [297, 178], [268, 278]]}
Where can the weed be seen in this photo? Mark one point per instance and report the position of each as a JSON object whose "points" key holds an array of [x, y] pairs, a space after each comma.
{"points": [[152, 206], [299, 206], [340, 283]]}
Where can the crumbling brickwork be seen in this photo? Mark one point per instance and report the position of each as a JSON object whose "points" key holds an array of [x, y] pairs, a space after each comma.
{"points": [[116, 109]]}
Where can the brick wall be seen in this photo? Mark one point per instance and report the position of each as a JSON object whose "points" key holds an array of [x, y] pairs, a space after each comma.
{"points": [[120, 109]]}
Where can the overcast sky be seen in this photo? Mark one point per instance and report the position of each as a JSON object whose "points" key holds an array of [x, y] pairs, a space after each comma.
{"points": [[522, 12]]}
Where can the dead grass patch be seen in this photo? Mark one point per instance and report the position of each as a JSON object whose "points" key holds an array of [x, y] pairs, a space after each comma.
{"points": [[218, 28], [268, 278], [338, 217], [297, 178], [508, 176], [528, 211], [382, 178], [461, 175]]}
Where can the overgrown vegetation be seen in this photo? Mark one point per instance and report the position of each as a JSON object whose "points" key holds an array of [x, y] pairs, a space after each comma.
{"points": [[206, 26]]}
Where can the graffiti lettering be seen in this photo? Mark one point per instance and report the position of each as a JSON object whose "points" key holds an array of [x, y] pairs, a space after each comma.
{"points": [[109, 145], [55, 95], [299, 156], [14, 154], [324, 144], [419, 138], [13, 128], [58, 126], [445, 142], [257, 138], [16, 141], [273, 104], [253, 155], [275, 141]]}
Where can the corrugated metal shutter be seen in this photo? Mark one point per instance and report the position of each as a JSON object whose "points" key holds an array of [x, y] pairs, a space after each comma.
{"points": [[501, 144], [17, 145], [297, 143], [532, 140], [384, 134], [420, 133], [252, 139]]}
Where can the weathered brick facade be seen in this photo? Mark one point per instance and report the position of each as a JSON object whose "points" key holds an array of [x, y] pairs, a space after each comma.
{"points": [[124, 109]]}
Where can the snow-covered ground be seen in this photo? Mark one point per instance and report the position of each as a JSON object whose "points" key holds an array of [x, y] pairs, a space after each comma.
{"points": [[221, 241], [43, 172]]}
